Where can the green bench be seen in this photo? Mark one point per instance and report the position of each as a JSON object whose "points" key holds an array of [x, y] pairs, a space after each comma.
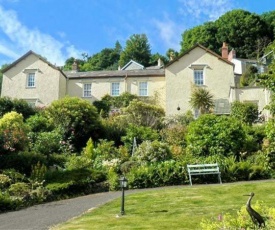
{"points": [[203, 169]]}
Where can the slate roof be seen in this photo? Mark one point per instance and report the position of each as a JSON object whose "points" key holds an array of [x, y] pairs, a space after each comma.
{"points": [[202, 47], [115, 73], [222, 106]]}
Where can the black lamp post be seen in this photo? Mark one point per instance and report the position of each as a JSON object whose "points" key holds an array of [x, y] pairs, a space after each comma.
{"points": [[123, 184]]}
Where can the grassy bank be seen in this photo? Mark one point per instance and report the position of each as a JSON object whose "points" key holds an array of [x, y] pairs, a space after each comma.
{"points": [[181, 207]]}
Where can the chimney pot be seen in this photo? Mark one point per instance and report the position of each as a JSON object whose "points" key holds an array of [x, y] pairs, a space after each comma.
{"points": [[224, 50], [74, 66]]}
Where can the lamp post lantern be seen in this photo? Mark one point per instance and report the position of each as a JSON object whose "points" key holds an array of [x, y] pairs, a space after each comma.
{"points": [[123, 184]]}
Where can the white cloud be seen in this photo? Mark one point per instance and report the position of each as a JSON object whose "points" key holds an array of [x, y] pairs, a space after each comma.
{"points": [[205, 8], [23, 39], [169, 32]]}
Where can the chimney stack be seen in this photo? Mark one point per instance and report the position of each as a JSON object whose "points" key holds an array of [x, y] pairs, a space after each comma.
{"points": [[160, 63], [74, 66], [224, 50], [231, 55]]}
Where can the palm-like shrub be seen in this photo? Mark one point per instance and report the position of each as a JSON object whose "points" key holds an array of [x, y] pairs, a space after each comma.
{"points": [[202, 100]]}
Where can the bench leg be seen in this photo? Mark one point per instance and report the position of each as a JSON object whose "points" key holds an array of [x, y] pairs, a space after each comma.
{"points": [[219, 176], [190, 179]]}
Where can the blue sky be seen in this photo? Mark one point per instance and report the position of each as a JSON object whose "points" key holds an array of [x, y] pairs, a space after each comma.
{"points": [[59, 29]]}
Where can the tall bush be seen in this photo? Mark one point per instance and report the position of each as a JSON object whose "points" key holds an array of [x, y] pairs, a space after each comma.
{"points": [[13, 133], [211, 134], [77, 119]]}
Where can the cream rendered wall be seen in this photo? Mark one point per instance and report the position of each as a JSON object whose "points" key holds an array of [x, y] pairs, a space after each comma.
{"points": [[156, 87], [218, 75], [46, 81], [254, 94], [102, 86]]}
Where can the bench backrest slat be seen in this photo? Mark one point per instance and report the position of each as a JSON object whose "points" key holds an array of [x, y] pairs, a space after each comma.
{"points": [[200, 169]]}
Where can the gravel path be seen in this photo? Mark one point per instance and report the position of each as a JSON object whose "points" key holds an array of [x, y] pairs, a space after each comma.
{"points": [[42, 217]]}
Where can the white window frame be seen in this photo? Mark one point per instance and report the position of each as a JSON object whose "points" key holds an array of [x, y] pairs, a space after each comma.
{"points": [[87, 89], [115, 89], [143, 88], [199, 77], [31, 80]]}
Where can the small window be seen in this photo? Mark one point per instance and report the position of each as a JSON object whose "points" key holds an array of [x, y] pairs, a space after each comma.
{"points": [[31, 80], [115, 88], [198, 77], [143, 89], [87, 90]]}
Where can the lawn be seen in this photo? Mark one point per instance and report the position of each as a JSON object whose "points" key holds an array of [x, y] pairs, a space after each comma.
{"points": [[180, 207]]}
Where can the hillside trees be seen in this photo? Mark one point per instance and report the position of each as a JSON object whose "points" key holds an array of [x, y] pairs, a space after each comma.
{"points": [[138, 49], [246, 32], [202, 34]]}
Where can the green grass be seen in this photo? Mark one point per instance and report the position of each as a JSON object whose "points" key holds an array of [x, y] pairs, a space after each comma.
{"points": [[181, 207]]}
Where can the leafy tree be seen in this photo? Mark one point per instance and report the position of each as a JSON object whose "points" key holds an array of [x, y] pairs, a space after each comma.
{"points": [[13, 133], [267, 79], [77, 119], [69, 62], [246, 112], [211, 134], [202, 100], [241, 30], [202, 34], [269, 18], [137, 49], [155, 57], [246, 32], [171, 53], [106, 59]]}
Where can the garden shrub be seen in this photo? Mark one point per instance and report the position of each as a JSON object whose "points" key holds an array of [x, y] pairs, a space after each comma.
{"points": [[15, 176], [106, 150], [47, 142], [113, 130], [211, 134], [126, 166], [19, 189], [174, 135], [38, 172], [246, 112], [22, 161], [8, 203], [144, 114], [18, 105], [39, 123], [75, 161], [140, 133], [241, 219], [113, 180], [157, 174], [4, 181], [74, 182], [13, 133], [57, 159], [77, 119], [155, 151]]}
